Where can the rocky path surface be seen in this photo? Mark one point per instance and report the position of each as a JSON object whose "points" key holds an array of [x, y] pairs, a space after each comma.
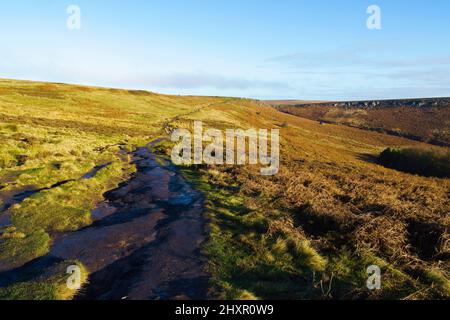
{"points": [[145, 241]]}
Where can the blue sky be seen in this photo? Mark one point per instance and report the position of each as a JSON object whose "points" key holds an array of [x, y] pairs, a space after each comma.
{"points": [[289, 49]]}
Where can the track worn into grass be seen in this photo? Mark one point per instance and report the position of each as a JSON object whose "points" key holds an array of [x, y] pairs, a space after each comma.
{"points": [[145, 242]]}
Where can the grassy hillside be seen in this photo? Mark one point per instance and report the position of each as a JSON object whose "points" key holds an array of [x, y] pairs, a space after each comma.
{"points": [[309, 232], [53, 136], [312, 230]]}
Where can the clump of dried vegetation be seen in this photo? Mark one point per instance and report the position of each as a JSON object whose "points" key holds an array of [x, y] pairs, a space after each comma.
{"points": [[425, 162], [294, 235]]}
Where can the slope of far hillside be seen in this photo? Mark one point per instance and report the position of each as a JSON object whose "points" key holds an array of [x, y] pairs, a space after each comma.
{"points": [[292, 102], [425, 120]]}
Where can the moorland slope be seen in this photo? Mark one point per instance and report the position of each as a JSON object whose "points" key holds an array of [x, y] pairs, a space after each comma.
{"points": [[424, 120], [309, 232]]}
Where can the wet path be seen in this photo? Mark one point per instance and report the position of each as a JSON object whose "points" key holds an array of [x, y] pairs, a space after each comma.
{"points": [[145, 241]]}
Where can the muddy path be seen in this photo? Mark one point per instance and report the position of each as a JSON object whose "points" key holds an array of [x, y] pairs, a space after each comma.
{"points": [[145, 241]]}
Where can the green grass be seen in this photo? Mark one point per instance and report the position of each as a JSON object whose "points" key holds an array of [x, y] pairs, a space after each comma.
{"points": [[246, 262], [52, 286], [26, 247]]}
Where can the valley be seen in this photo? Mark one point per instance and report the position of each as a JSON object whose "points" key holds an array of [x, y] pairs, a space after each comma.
{"points": [[424, 120]]}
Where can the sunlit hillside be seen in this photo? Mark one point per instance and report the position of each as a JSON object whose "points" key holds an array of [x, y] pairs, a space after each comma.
{"points": [[309, 232]]}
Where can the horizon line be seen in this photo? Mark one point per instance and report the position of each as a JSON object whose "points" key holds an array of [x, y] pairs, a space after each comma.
{"points": [[306, 101]]}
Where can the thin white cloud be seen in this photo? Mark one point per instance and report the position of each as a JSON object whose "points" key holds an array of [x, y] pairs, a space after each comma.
{"points": [[365, 74], [197, 80], [351, 58], [95, 70]]}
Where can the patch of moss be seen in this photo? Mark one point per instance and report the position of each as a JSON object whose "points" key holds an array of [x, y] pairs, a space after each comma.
{"points": [[16, 251]]}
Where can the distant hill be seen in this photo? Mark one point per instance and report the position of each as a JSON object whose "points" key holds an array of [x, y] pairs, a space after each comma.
{"points": [[426, 120], [293, 102]]}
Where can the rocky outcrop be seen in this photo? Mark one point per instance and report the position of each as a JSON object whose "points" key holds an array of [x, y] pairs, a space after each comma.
{"points": [[416, 103]]}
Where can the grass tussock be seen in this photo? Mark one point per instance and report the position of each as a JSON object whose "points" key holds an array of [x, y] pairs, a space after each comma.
{"points": [[52, 285]]}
